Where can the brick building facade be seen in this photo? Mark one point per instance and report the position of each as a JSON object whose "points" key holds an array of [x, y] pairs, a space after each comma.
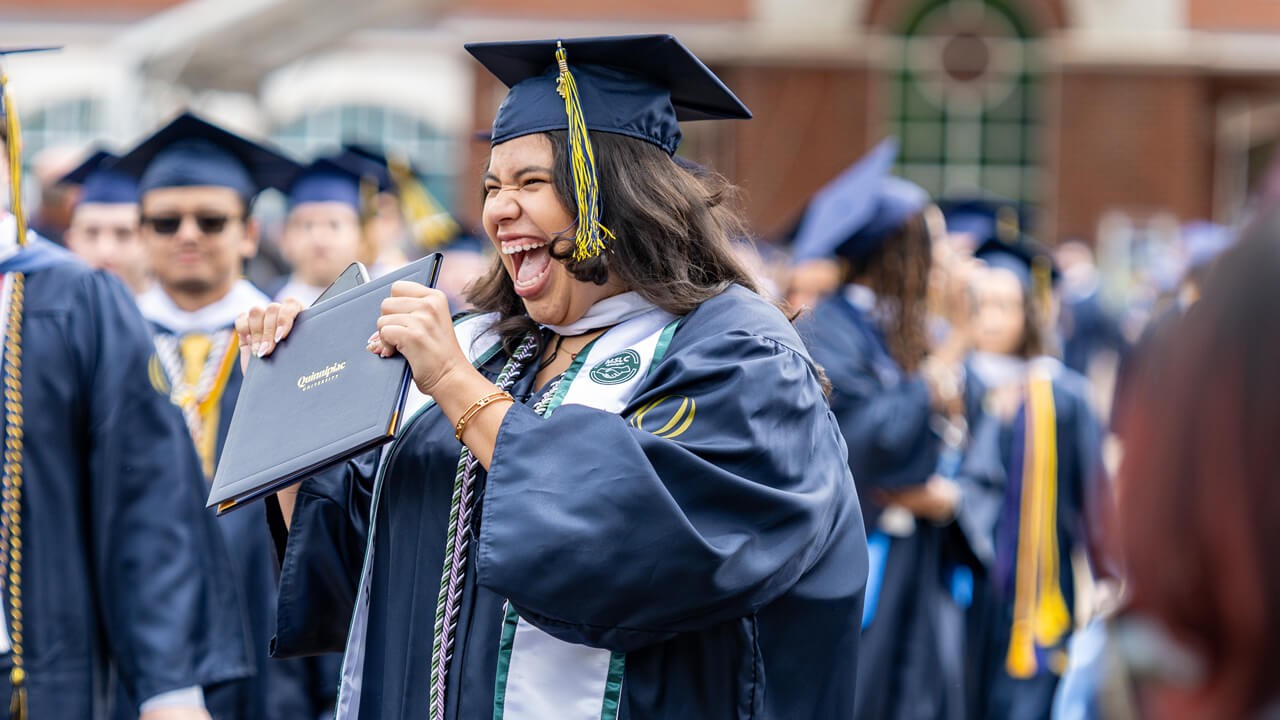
{"points": [[1084, 108]]}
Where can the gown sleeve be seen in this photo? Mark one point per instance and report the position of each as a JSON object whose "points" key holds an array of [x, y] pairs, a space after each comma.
{"points": [[884, 421], [1090, 497], [156, 551], [322, 558], [981, 479], [617, 531]]}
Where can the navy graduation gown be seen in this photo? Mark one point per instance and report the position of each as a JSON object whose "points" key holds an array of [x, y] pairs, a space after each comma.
{"points": [[1081, 484], [728, 563], [121, 558], [278, 689], [914, 639]]}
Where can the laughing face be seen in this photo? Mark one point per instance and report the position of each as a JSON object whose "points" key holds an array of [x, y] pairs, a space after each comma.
{"points": [[522, 215]]}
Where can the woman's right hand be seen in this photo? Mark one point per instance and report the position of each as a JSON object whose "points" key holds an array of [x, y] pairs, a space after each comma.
{"points": [[262, 328]]}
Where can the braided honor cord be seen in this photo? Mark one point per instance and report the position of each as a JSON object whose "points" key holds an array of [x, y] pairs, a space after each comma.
{"points": [[457, 540], [11, 494]]}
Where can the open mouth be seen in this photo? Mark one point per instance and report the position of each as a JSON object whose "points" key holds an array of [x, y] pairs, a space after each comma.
{"points": [[530, 265]]}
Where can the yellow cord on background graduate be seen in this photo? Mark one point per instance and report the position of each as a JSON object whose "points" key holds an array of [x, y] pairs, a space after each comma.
{"points": [[1040, 616], [11, 484], [13, 133], [589, 240]]}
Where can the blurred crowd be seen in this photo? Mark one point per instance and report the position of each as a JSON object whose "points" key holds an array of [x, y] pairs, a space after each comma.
{"points": [[1117, 421]]}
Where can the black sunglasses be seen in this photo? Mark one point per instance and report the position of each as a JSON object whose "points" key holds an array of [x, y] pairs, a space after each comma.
{"points": [[208, 224]]}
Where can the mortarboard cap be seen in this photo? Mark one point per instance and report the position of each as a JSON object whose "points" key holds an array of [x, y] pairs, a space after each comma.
{"points": [[853, 214], [985, 217], [635, 85], [367, 162], [1022, 258], [190, 151], [640, 86], [1204, 241], [325, 180], [100, 182]]}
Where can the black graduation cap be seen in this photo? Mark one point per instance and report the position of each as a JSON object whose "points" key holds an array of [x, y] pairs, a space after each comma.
{"points": [[368, 162], [636, 85], [985, 216], [326, 179], [640, 86], [1022, 258], [101, 183], [857, 211], [190, 151]]}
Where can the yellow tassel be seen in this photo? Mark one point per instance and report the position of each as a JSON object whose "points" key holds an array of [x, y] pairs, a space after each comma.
{"points": [[1052, 620], [589, 240], [18, 702], [430, 224], [1020, 660], [14, 134]]}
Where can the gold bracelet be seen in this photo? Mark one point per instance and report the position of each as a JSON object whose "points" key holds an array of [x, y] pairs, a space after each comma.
{"points": [[476, 407]]}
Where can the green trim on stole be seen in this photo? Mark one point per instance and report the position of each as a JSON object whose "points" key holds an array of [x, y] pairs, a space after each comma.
{"points": [[664, 341], [617, 661], [509, 622]]}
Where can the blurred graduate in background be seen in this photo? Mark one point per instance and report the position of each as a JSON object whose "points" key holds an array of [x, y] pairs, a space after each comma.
{"points": [[104, 229], [905, 410], [1049, 442], [322, 234], [197, 183]]}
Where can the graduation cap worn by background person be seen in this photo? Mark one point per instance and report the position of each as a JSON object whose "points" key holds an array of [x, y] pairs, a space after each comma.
{"points": [[1030, 262], [853, 214], [325, 180], [101, 183], [190, 151], [640, 86], [430, 224], [1204, 241], [985, 216]]}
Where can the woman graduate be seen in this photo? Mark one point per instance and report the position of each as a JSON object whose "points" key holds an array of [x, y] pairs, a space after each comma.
{"points": [[1049, 441], [626, 497], [903, 412]]}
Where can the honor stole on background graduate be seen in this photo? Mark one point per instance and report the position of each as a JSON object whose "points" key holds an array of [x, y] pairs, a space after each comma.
{"points": [[1040, 615], [197, 366]]}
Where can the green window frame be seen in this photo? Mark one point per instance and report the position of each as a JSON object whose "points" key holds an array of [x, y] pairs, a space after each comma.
{"points": [[964, 135]]}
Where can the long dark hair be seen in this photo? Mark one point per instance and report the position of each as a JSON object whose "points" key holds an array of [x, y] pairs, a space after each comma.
{"points": [[1037, 334], [898, 272], [1199, 506], [673, 230]]}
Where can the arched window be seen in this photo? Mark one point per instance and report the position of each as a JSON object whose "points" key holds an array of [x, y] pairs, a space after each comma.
{"points": [[965, 102], [432, 153]]}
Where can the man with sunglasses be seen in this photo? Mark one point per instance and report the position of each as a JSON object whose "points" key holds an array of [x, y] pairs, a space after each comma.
{"points": [[197, 183], [111, 568]]}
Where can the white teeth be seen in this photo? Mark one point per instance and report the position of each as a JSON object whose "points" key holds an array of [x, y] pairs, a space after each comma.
{"points": [[524, 247]]}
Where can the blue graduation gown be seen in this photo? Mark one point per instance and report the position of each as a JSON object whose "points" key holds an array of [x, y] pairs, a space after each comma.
{"points": [[728, 563], [121, 560], [278, 689], [913, 642], [1080, 479]]}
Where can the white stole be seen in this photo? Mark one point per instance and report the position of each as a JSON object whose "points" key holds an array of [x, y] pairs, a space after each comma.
{"points": [[544, 677]]}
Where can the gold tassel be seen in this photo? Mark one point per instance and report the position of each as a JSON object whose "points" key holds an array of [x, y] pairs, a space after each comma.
{"points": [[1020, 661], [1052, 620], [13, 133], [430, 224], [589, 240], [18, 703]]}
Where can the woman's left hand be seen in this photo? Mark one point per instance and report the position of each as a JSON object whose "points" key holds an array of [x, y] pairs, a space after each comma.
{"points": [[416, 323]]}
